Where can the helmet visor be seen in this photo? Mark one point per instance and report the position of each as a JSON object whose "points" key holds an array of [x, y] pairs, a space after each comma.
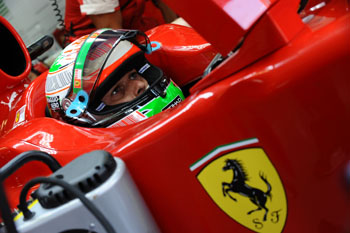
{"points": [[95, 53]]}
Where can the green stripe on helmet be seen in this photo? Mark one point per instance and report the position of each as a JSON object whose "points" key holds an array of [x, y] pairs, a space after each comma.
{"points": [[173, 96], [80, 61]]}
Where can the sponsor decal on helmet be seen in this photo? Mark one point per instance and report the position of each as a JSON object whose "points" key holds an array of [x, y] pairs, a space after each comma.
{"points": [[58, 82], [144, 68], [77, 78], [130, 119], [243, 183], [173, 103], [54, 102]]}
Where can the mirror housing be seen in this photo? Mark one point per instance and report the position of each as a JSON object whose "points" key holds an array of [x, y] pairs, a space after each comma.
{"points": [[15, 64]]}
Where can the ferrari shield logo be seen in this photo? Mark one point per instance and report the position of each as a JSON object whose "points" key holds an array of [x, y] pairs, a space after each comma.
{"points": [[246, 186]]}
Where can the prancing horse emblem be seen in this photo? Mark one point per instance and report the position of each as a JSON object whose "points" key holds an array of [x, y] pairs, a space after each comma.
{"points": [[238, 185]]}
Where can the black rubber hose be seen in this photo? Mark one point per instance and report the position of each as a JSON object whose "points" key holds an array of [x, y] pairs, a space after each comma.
{"points": [[6, 212], [26, 157], [71, 189]]}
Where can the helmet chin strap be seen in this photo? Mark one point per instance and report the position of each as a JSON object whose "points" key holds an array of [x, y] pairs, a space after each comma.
{"points": [[160, 88]]}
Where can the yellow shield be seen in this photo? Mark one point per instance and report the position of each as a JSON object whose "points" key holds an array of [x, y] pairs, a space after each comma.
{"points": [[246, 186]]}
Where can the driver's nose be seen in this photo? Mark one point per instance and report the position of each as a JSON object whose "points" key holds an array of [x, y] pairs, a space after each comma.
{"points": [[137, 87]]}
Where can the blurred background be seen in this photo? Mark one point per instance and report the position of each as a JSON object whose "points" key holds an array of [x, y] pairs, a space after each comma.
{"points": [[34, 19]]}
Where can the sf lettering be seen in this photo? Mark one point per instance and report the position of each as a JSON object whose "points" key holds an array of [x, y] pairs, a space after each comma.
{"points": [[274, 218]]}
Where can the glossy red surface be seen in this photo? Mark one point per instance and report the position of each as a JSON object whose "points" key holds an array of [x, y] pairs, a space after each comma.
{"points": [[275, 29], [183, 55], [292, 95], [221, 22]]}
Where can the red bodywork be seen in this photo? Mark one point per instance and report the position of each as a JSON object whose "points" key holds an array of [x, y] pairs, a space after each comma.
{"points": [[288, 85]]}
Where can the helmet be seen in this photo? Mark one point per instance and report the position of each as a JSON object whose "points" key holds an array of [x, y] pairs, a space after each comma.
{"points": [[104, 80]]}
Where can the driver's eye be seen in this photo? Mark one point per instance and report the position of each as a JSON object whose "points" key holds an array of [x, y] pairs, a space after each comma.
{"points": [[133, 76], [116, 90]]}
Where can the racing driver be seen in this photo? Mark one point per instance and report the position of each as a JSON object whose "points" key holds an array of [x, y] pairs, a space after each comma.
{"points": [[104, 80]]}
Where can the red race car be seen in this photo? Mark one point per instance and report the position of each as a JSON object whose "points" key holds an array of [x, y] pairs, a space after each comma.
{"points": [[259, 142]]}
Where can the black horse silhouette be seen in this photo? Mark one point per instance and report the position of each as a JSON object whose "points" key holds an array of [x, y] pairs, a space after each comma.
{"points": [[239, 186]]}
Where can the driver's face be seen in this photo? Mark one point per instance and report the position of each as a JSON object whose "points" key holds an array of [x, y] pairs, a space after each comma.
{"points": [[126, 89]]}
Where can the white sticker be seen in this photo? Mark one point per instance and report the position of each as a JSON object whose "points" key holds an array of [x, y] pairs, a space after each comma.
{"points": [[20, 115]]}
